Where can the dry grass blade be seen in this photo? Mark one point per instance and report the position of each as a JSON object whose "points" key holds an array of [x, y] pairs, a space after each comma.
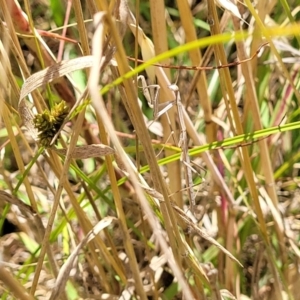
{"points": [[64, 272], [29, 190], [100, 109], [183, 144], [252, 101], [160, 41], [147, 49], [16, 289], [160, 45], [236, 128], [196, 58], [88, 151]]}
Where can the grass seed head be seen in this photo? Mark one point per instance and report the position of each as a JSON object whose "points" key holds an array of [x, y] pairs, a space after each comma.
{"points": [[48, 122]]}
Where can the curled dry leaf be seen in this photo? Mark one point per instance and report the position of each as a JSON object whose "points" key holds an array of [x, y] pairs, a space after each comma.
{"points": [[43, 77], [227, 295], [88, 151], [53, 72], [231, 7], [27, 118], [64, 272], [121, 13]]}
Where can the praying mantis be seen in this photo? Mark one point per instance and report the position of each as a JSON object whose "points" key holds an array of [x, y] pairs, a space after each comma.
{"points": [[160, 109]]}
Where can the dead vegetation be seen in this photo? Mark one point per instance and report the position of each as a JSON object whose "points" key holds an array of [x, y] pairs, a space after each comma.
{"points": [[149, 150]]}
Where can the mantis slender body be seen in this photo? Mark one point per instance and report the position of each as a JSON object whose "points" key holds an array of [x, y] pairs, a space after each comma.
{"points": [[159, 110]]}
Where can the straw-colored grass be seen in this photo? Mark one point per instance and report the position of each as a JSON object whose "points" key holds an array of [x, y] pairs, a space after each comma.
{"points": [[183, 186]]}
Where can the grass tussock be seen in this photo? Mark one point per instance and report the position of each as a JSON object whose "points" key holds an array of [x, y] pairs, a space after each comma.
{"points": [[149, 150]]}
